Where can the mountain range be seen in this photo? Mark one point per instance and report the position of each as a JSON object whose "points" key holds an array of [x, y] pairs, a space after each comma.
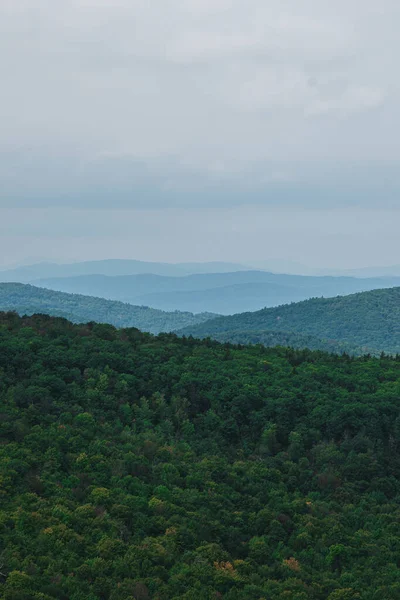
{"points": [[367, 322], [217, 287], [112, 267], [223, 293]]}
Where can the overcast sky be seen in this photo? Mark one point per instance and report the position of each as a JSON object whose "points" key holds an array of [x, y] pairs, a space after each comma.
{"points": [[200, 130]]}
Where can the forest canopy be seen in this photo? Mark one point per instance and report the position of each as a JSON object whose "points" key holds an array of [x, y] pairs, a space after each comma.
{"points": [[166, 468]]}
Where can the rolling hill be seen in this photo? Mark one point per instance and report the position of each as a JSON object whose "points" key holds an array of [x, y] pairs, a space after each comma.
{"points": [[26, 300], [223, 293], [366, 320]]}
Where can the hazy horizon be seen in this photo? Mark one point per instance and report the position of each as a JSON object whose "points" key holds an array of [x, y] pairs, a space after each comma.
{"points": [[274, 265]]}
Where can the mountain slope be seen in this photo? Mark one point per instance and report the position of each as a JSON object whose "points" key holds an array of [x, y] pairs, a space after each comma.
{"points": [[136, 467], [289, 339], [368, 319], [27, 299], [224, 293]]}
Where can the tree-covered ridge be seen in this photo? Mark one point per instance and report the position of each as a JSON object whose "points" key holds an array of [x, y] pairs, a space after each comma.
{"points": [[271, 338], [141, 467], [365, 320], [28, 299]]}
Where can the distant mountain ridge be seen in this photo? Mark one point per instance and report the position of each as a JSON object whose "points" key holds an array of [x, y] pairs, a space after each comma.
{"points": [[365, 320], [26, 299], [112, 267], [392, 271], [223, 293]]}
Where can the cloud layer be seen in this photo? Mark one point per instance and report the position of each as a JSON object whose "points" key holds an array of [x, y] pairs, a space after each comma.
{"points": [[131, 103]]}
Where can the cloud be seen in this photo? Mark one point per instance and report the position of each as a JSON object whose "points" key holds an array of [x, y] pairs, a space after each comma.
{"points": [[192, 102], [353, 99]]}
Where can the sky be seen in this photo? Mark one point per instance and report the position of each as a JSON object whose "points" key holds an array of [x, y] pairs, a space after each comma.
{"points": [[200, 130]]}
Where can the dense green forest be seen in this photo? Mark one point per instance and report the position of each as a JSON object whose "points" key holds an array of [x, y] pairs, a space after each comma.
{"points": [[167, 468], [365, 320], [28, 299], [270, 339]]}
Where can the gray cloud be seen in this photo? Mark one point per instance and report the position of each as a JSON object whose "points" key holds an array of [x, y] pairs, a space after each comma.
{"points": [[130, 103]]}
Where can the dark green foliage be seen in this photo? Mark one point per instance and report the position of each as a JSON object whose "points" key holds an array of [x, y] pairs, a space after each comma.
{"points": [[365, 322], [269, 339], [141, 467], [28, 299]]}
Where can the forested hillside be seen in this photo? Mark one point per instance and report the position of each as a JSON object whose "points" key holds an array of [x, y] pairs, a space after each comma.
{"points": [[270, 339], [369, 320], [27, 299], [140, 467]]}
